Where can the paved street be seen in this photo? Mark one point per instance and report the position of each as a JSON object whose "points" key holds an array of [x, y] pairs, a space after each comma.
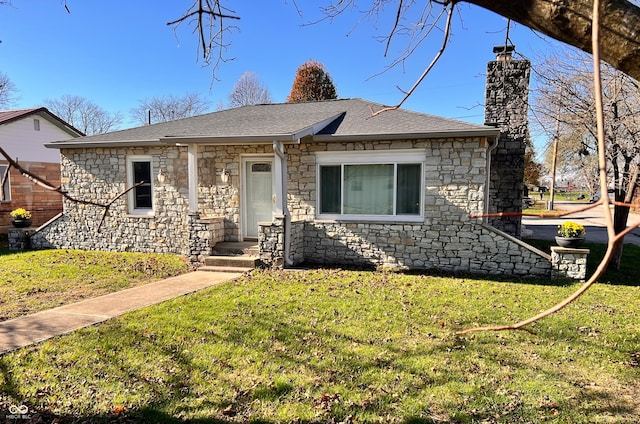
{"points": [[593, 221]]}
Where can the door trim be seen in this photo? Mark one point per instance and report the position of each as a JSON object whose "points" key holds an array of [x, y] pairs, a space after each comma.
{"points": [[244, 193]]}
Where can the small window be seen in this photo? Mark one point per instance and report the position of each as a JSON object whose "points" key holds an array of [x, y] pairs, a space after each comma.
{"points": [[261, 167], [139, 170], [36, 124], [5, 191]]}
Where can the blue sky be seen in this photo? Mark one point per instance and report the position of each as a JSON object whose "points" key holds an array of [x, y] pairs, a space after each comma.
{"points": [[118, 52]]}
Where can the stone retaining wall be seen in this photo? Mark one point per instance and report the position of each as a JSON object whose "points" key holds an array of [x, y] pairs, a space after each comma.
{"points": [[203, 235], [271, 243], [477, 249], [472, 248]]}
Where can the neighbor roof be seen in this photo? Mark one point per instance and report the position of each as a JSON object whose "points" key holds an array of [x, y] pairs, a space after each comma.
{"points": [[332, 120], [8, 116]]}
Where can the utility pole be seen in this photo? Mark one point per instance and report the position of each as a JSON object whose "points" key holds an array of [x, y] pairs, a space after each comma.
{"points": [[552, 191]]}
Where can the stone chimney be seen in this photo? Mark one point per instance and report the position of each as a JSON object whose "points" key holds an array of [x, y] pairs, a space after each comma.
{"points": [[506, 107]]}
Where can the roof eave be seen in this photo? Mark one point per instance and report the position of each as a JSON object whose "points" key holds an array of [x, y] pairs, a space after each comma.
{"points": [[100, 143], [306, 133], [488, 132], [229, 140], [176, 141]]}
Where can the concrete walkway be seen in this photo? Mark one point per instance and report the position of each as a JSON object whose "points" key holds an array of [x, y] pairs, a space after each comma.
{"points": [[31, 329]]}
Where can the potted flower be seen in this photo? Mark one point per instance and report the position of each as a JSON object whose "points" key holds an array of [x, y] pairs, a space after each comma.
{"points": [[21, 218], [570, 234]]}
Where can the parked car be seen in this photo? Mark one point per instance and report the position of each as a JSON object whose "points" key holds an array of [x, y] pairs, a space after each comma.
{"points": [[596, 197], [527, 202]]}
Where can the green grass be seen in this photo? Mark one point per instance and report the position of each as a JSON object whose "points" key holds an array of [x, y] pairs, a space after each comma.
{"points": [[344, 346], [36, 280], [629, 271], [562, 196]]}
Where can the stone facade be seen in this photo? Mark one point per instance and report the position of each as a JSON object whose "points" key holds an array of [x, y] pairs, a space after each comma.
{"points": [[445, 238], [506, 107], [203, 236], [99, 175]]}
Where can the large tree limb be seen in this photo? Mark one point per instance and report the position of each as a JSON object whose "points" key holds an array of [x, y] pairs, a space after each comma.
{"points": [[614, 239], [570, 21]]}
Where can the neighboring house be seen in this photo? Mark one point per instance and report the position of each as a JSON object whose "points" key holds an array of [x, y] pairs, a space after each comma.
{"points": [[23, 133], [318, 182]]}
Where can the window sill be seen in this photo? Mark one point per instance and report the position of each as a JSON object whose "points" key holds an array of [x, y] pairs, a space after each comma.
{"points": [[140, 215], [370, 219]]}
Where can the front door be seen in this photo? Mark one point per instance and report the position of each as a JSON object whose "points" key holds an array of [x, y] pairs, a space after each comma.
{"points": [[259, 194]]}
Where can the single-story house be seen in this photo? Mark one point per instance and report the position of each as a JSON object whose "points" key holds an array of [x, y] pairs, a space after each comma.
{"points": [[23, 133], [317, 182], [320, 182]]}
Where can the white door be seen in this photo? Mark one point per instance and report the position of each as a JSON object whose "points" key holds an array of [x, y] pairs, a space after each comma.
{"points": [[259, 191]]}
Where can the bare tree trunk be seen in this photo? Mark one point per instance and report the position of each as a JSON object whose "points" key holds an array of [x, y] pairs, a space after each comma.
{"points": [[620, 216], [569, 21]]}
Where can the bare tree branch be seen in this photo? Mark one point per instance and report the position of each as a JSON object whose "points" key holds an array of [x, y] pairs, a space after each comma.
{"points": [[209, 18], [445, 41], [571, 23]]}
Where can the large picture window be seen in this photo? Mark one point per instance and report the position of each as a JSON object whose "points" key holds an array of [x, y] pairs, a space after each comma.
{"points": [[5, 189], [370, 185], [139, 169]]}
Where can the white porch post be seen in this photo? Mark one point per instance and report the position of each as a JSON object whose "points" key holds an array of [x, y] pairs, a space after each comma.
{"points": [[281, 196], [192, 168], [280, 165]]}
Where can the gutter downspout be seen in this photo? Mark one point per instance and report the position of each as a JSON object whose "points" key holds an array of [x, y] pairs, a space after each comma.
{"points": [[279, 151], [488, 184]]}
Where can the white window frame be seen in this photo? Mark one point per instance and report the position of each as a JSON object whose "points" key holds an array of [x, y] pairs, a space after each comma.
{"points": [[376, 157], [130, 182], [3, 169]]}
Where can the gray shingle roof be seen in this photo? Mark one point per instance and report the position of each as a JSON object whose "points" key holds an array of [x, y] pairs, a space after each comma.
{"points": [[326, 120]]}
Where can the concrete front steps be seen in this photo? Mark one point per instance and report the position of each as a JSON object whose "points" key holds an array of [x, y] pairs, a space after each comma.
{"points": [[232, 257]]}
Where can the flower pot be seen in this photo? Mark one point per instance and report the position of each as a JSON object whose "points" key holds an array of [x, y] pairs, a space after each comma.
{"points": [[572, 242], [21, 223]]}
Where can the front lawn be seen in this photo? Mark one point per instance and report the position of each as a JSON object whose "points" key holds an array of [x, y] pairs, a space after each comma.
{"points": [[36, 280], [329, 346]]}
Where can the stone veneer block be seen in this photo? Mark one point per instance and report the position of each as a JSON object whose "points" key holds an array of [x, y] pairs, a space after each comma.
{"points": [[569, 263], [19, 238]]}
